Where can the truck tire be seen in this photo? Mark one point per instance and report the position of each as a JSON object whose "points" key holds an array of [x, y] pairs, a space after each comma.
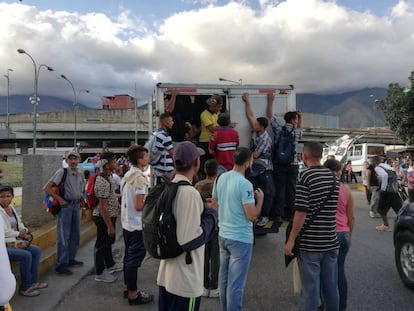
{"points": [[404, 257]]}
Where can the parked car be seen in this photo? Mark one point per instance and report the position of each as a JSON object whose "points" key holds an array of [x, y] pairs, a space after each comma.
{"points": [[87, 165], [404, 243]]}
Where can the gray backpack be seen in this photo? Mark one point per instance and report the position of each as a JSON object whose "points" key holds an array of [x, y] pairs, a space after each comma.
{"points": [[392, 185]]}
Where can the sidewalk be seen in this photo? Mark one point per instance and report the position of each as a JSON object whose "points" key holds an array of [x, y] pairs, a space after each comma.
{"points": [[59, 285]]}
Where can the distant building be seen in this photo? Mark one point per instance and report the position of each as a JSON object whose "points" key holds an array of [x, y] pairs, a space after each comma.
{"points": [[118, 102]]}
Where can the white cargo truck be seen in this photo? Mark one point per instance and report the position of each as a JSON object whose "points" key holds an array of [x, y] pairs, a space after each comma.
{"points": [[185, 111]]}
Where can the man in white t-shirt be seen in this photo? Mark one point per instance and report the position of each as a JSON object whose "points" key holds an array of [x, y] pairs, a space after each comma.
{"points": [[134, 187], [387, 199]]}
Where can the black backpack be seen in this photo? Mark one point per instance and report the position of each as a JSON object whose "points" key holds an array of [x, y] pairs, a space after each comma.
{"points": [[284, 152], [159, 226]]}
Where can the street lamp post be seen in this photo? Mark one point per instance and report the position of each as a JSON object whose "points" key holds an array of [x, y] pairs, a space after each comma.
{"points": [[75, 104], [374, 109], [75, 108], [7, 76], [34, 99]]}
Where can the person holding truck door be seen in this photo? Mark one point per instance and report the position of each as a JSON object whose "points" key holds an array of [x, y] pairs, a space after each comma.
{"points": [[209, 124], [285, 171], [262, 168]]}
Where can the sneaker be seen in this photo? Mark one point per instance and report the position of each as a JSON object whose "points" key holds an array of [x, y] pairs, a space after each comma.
{"points": [[262, 221], [206, 292], [63, 271], [372, 214], [383, 228], [214, 293], [30, 292], [141, 299], [75, 262], [106, 277], [118, 266]]}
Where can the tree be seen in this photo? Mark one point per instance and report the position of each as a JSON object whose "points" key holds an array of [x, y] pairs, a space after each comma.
{"points": [[398, 108]]}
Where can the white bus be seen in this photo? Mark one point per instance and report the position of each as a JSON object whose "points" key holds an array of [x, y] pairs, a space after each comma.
{"points": [[360, 153], [346, 148]]}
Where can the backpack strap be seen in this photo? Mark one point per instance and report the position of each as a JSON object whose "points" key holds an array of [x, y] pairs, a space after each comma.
{"points": [[321, 204], [188, 258], [65, 174], [62, 181], [107, 179]]}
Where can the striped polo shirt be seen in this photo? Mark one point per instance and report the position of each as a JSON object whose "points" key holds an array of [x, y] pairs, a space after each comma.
{"points": [[164, 143], [313, 187]]}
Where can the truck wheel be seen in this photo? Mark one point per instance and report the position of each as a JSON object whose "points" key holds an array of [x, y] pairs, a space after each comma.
{"points": [[404, 257]]}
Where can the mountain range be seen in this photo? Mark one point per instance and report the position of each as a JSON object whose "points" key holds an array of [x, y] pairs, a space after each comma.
{"points": [[355, 109]]}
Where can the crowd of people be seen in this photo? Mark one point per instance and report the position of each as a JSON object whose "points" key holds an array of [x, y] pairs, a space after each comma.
{"points": [[235, 188]]}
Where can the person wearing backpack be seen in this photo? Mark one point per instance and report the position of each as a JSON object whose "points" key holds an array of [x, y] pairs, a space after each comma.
{"points": [[68, 218], [134, 187], [261, 172], [211, 255], [388, 197], [104, 217], [285, 158], [180, 279]]}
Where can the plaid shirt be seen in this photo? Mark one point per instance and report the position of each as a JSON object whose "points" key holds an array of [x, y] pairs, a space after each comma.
{"points": [[263, 144], [277, 129]]}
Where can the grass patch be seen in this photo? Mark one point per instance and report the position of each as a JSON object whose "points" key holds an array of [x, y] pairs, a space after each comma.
{"points": [[12, 173]]}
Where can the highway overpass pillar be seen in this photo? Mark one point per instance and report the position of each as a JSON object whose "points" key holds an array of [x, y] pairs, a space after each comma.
{"points": [[37, 170]]}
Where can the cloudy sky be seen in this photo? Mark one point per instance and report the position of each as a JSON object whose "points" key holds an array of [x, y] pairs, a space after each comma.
{"points": [[108, 46]]}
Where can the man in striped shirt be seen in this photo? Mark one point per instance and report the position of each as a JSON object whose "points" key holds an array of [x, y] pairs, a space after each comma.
{"points": [[165, 164], [318, 245]]}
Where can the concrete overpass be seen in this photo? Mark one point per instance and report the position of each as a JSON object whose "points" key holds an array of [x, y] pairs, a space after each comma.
{"points": [[116, 129]]}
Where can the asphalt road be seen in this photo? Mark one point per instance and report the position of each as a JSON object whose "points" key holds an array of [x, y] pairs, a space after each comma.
{"points": [[373, 280]]}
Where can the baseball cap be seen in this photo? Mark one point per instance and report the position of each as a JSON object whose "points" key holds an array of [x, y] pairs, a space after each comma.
{"points": [[72, 154], [186, 153]]}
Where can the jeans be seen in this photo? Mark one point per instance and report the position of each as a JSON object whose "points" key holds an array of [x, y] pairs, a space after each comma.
{"points": [[319, 273], [103, 245], [28, 259], [68, 235], [374, 199], [234, 264], [264, 181], [134, 254], [285, 178], [211, 262], [344, 243]]}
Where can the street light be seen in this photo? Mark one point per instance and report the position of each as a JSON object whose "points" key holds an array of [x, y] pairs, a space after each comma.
{"points": [[34, 99], [373, 108], [75, 104], [240, 82], [7, 76], [75, 112]]}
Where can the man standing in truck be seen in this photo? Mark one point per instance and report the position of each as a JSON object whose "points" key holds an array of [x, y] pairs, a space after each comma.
{"points": [[285, 171]]}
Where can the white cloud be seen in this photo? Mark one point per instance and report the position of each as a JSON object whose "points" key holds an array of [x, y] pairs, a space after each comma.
{"points": [[316, 45]]}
